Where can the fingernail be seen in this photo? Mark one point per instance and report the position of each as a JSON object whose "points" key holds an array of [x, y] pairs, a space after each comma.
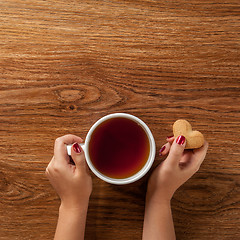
{"points": [[170, 136], [180, 140], [161, 150], [76, 148]]}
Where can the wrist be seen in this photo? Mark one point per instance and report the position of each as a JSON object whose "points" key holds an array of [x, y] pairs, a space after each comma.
{"points": [[67, 206], [158, 197], [72, 214]]}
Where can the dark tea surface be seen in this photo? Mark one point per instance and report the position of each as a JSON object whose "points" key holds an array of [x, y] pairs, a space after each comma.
{"points": [[119, 147]]}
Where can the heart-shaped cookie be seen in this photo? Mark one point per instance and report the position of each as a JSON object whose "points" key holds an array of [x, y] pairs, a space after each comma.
{"points": [[194, 139]]}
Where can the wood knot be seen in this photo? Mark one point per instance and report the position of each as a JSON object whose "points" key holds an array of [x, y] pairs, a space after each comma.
{"points": [[72, 107], [70, 95]]}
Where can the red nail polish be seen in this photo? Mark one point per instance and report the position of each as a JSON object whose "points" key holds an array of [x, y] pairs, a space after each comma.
{"points": [[180, 140], [76, 148], [161, 150], [170, 136]]}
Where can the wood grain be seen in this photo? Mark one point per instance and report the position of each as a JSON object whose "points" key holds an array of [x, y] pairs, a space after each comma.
{"points": [[65, 64]]}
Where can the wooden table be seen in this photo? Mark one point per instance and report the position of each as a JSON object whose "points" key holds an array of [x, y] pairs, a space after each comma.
{"points": [[65, 64]]}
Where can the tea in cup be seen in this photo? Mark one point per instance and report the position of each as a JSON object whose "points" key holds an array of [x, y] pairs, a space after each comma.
{"points": [[119, 148]]}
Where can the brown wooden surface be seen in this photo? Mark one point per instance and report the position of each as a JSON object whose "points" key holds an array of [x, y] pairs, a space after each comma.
{"points": [[65, 64]]}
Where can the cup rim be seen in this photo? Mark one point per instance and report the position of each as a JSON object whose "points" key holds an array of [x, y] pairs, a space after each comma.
{"points": [[145, 168]]}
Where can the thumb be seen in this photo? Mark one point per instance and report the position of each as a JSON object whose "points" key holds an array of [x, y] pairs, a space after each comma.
{"points": [[78, 156], [176, 150]]}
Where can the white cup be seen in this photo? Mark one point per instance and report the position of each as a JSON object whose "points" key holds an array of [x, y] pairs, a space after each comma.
{"points": [[137, 175]]}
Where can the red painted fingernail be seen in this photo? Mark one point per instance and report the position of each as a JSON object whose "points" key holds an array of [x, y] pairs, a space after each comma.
{"points": [[76, 148], [180, 140], [170, 136], [161, 150]]}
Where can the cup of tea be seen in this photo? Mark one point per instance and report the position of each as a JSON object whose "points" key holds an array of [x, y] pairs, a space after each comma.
{"points": [[119, 148]]}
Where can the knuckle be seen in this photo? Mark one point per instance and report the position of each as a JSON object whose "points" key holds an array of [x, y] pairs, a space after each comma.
{"points": [[68, 135], [168, 170], [53, 169], [48, 172], [196, 168], [56, 168], [58, 140]]}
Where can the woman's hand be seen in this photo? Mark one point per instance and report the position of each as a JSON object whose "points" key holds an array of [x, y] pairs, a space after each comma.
{"points": [[73, 183], [176, 169]]}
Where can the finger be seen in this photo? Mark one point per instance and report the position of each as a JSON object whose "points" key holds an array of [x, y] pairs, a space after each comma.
{"points": [[78, 156], [60, 150], [170, 139], [49, 166], [199, 155], [164, 149], [186, 158], [176, 150]]}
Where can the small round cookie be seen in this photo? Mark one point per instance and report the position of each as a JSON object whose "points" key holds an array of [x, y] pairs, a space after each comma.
{"points": [[194, 139]]}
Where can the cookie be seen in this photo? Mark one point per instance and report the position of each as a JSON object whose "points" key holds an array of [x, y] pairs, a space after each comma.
{"points": [[194, 139]]}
